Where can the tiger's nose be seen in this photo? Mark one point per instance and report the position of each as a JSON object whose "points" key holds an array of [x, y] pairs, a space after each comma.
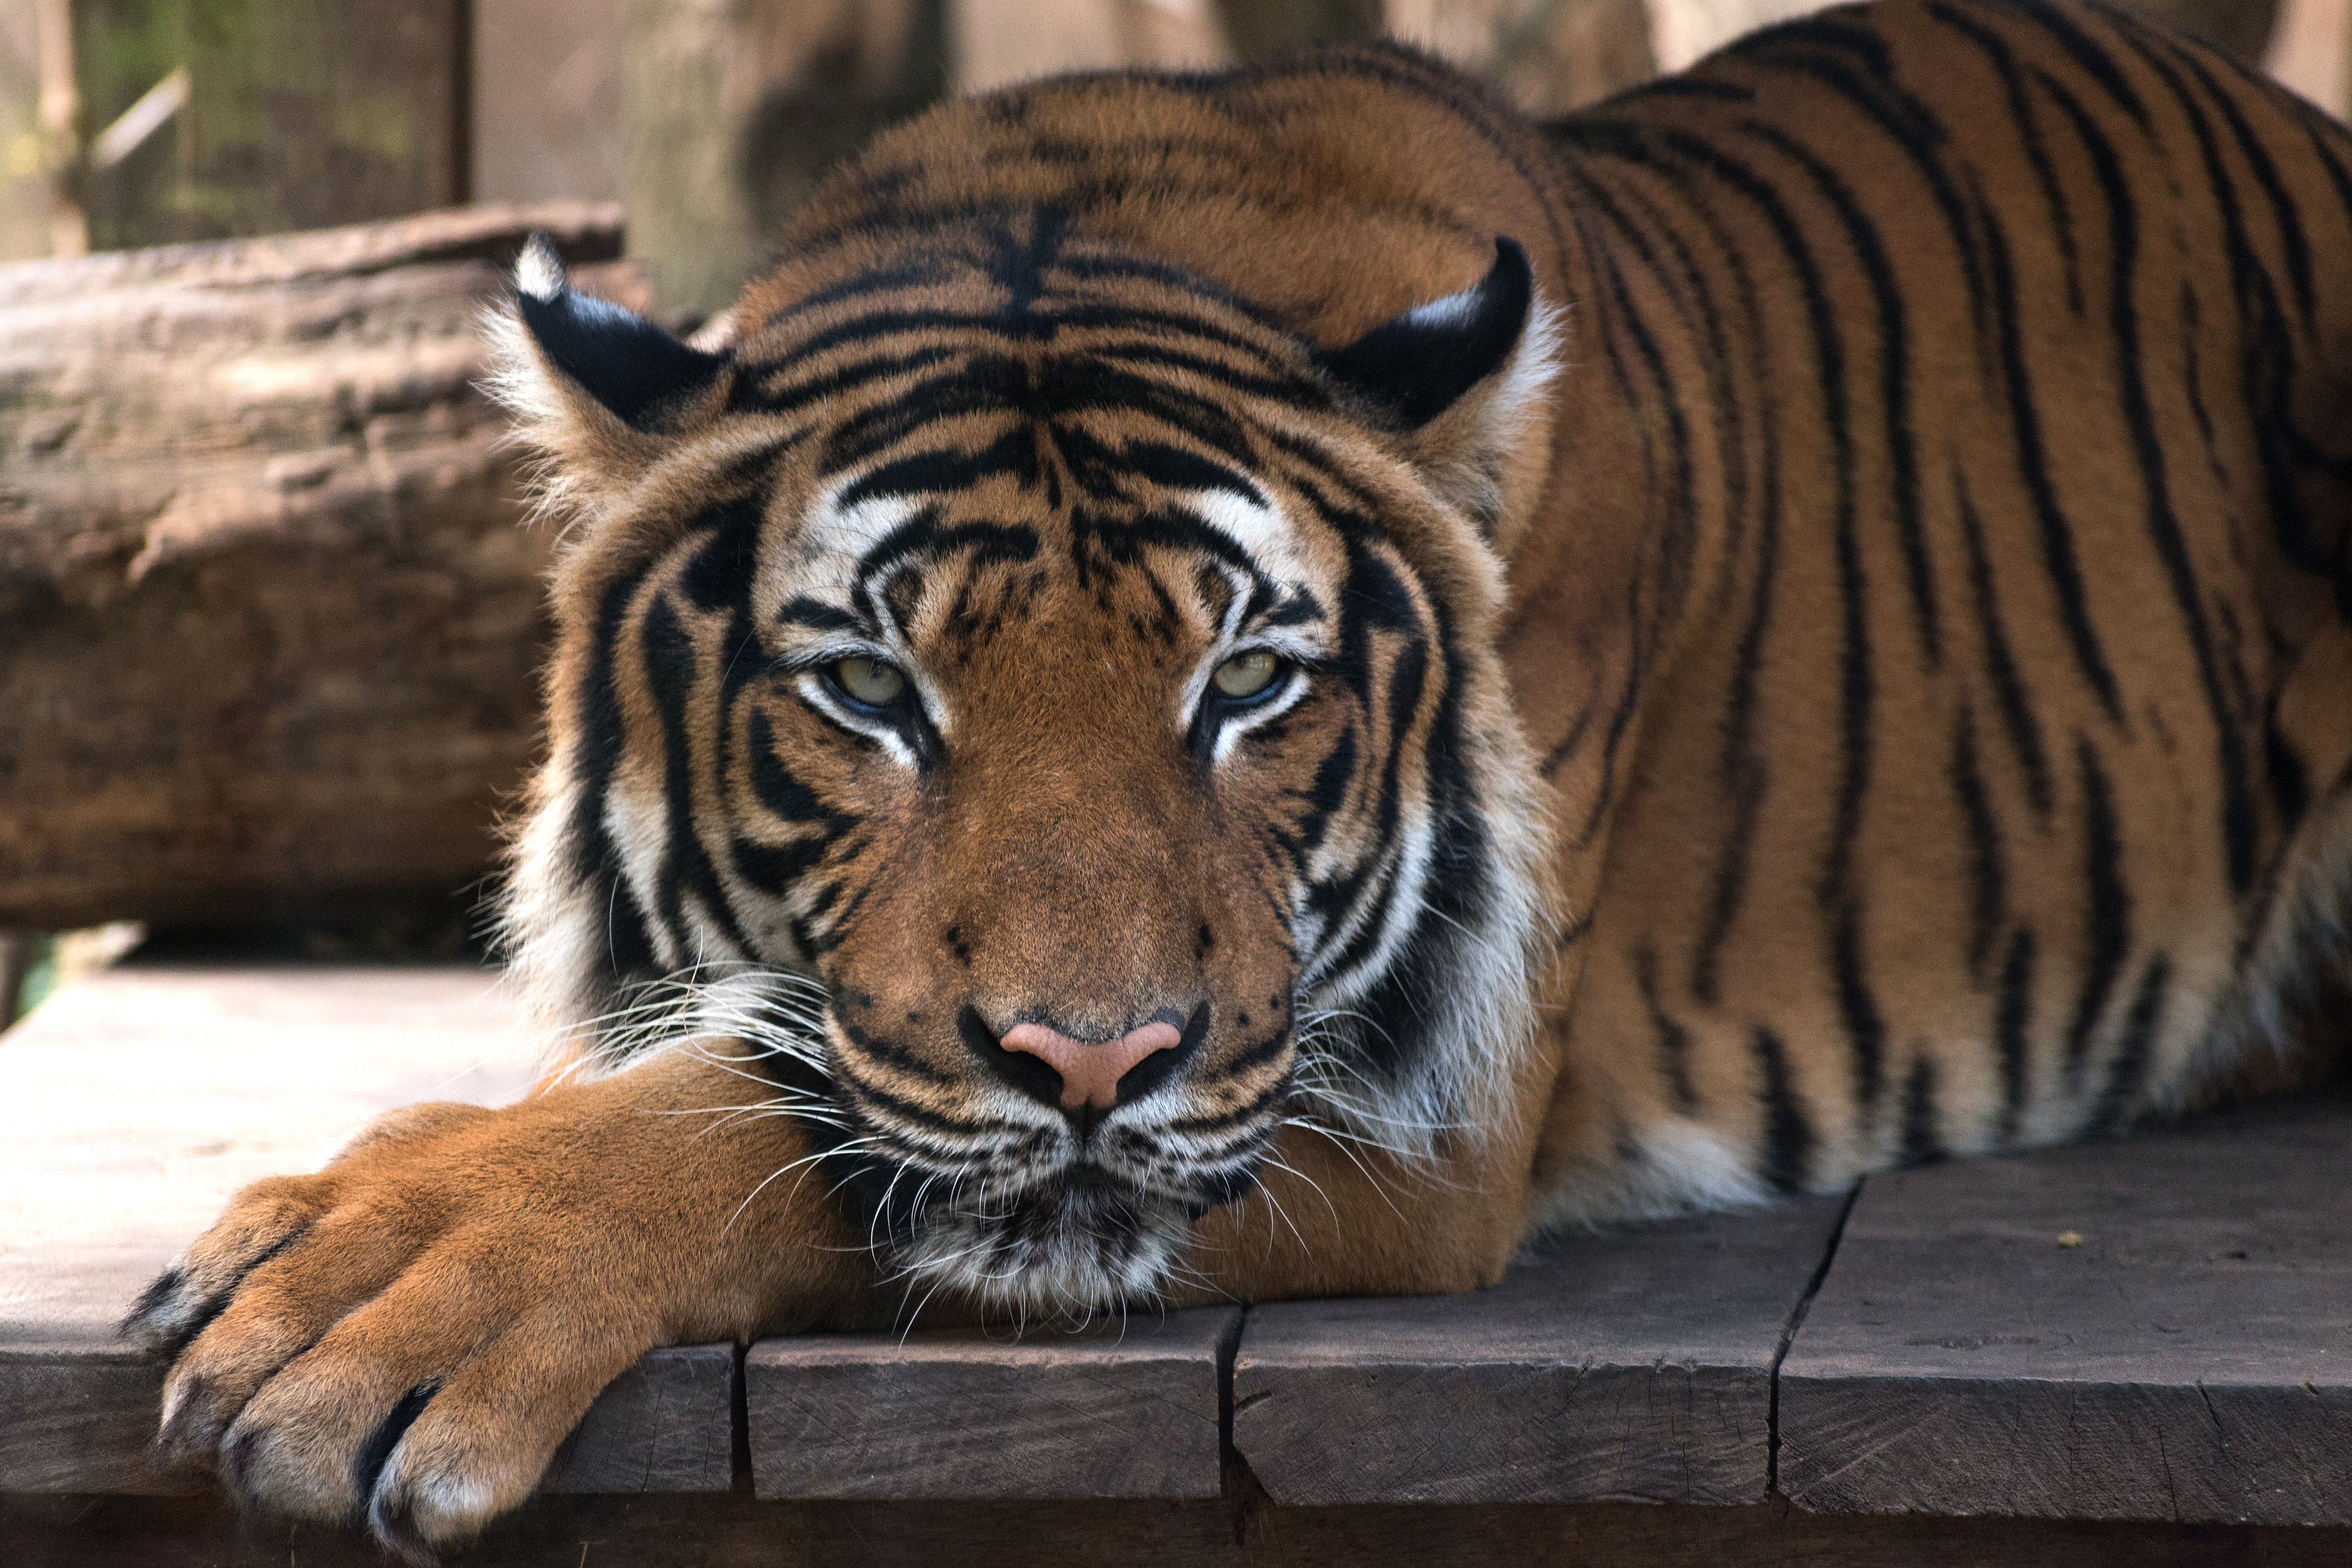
{"points": [[1090, 1070]]}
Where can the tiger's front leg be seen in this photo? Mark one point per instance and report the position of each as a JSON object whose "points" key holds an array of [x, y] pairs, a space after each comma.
{"points": [[406, 1337]]}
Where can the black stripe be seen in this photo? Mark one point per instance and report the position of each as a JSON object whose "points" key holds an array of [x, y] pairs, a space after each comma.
{"points": [[1674, 1040], [1865, 1027], [681, 866], [1988, 876], [2293, 238], [2009, 686], [1787, 1155], [2021, 110], [2013, 1032], [599, 737], [1743, 772], [1857, 64], [2134, 1049], [2106, 929], [2192, 377], [775, 868], [1012, 455], [776, 395], [1856, 681], [1922, 1143], [2097, 62], [1682, 481], [816, 614], [1916, 140], [2239, 823], [1726, 404], [2033, 460]]}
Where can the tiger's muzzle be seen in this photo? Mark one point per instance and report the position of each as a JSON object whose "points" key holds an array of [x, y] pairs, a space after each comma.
{"points": [[1073, 1168]]}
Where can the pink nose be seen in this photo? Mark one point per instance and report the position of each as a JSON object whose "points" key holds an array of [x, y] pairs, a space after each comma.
{"points": [[1090, 1069]]}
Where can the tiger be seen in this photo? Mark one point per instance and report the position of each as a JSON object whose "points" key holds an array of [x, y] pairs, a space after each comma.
{"points": [[1268, 684]]}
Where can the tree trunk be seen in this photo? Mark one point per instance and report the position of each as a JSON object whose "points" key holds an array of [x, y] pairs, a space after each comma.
{"points": [[734, 110], [269, 622]]}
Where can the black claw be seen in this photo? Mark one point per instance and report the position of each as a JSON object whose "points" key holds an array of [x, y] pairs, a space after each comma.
{"points": [[179, 1440], [367, 1465], [175, 1279], [151, 1301]]}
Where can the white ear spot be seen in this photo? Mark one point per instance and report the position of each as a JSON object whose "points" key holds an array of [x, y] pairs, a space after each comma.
{"points": [[1441, 314], [538, 272]]}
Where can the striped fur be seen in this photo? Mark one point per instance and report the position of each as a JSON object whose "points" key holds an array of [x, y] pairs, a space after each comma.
{"points": [[1869, 677]]}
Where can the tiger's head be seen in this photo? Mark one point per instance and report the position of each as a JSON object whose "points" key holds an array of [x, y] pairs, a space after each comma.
{"points": [[1047, 710]]}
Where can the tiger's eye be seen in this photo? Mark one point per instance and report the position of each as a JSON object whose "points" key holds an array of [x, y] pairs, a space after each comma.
{"points": [[1246, 674], [871, 681]]}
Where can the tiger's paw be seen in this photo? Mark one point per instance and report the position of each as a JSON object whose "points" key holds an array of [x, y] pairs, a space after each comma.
{"points": [[403, 1339]]}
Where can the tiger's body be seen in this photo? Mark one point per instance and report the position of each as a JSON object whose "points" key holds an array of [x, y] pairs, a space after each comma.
{"points": [[1313, 678]]}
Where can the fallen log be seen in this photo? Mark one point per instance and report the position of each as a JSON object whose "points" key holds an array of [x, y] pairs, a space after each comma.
{"points": [[269, 617]]}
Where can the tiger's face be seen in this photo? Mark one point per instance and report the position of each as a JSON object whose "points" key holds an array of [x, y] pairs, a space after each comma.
{"points": [[1069, 760], [1022, 793]]}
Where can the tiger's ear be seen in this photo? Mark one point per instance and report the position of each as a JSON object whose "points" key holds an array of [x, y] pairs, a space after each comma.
{"points": [[596, 388], [1459, 380]]}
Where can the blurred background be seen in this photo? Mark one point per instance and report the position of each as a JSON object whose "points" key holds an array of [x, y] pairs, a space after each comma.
{"points": [[268, 623], [141, 122]]}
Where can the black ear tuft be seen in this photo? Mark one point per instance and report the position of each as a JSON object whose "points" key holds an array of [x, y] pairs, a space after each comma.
{"points": [[625, 361], [1417, 365]]}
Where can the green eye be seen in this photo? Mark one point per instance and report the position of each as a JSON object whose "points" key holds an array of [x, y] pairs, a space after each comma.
{"points": [[1246, 674], [869, 680]]}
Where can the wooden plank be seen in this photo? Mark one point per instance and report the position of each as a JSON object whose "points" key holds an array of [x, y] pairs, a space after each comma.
{"points": [[1122, 1410], [133, 1104], [79, 1418], [1632, 1365], [2157, 1329], [273, 619], [666, 1425], [657, 1532]]}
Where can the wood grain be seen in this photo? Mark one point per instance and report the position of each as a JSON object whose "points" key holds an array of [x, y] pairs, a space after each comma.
{"points": [[737, 1531], [272, 618], [2187, 1357], [79, 1418], [1123, 1410], [133, 1103], [1636, 1365]]}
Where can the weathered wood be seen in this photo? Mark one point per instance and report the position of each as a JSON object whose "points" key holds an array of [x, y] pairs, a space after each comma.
{"points": [[725, 1533], [1636, 1365], [77, 1416], [666, 1425], [269, 627], [133, 1103], [1122, 1410], [2159, 1329]]}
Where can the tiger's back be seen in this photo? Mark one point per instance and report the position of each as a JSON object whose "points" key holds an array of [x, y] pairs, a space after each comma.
{"points": [[1990, 780]]}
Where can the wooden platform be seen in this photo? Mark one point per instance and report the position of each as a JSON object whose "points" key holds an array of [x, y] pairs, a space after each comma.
{"points": [[2132, 1352]]}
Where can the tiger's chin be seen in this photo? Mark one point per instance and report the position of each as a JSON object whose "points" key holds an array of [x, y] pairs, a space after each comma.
{"points": [[1063, 1248]]}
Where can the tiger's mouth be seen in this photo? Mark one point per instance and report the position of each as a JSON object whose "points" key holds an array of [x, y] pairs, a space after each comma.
{"points": [[1035, 1221], [1064, 1247], [1052, 1214]]}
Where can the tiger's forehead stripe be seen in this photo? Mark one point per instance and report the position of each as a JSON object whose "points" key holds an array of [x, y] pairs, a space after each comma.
{"points": [[1060, 335]]}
